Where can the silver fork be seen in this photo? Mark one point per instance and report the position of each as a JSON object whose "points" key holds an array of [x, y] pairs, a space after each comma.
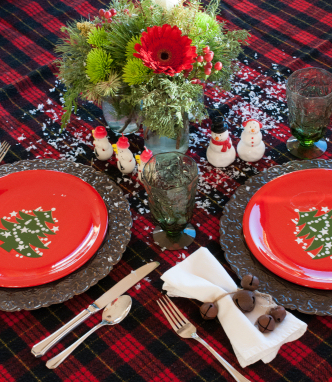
{"points": [[185, 329], [4, 149]]}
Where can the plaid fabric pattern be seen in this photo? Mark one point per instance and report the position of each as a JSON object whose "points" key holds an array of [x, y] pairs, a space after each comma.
{"points": [[286, 35]]}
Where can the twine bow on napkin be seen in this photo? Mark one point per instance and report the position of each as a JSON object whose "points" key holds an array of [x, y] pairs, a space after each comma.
{"points": [[200, 276]]}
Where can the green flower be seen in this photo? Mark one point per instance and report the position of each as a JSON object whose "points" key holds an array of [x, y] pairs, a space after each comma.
{"points": [[97, 37], [130, 48], [206, 23], [98, 65], [135, 72]]}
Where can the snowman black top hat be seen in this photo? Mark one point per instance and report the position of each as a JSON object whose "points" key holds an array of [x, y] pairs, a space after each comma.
{"points": [[218, 124]]}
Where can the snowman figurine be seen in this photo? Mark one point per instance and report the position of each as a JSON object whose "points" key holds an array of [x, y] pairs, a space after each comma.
{"points": [[220, 152], [251, 148], [125, 158], [141, 160], [102, 148]]}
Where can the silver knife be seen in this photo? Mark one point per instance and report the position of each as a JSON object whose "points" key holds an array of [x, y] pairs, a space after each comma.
{"points": [[117, 290]]}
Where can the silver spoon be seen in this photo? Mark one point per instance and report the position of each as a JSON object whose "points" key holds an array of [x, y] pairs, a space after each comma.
{"points": [[113, 314]]}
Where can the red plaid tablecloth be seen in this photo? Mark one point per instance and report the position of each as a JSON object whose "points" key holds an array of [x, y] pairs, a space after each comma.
{"points": [[285, 35]]}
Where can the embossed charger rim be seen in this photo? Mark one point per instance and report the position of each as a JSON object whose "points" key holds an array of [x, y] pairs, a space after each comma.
{"points": [[291, 296], [100, 264]]}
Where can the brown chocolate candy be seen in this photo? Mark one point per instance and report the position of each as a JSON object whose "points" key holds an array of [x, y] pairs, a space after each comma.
{"points": [[266, 323], [278, 313], [244, 300], [208, 311], [250, 282]]}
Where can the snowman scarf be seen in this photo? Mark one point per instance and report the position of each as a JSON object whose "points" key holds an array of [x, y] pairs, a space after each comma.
{"points": [[226, 144]]}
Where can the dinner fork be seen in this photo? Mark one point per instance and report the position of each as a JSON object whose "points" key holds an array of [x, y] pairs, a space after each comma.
{"points": [[185, 329], [4, 149]]}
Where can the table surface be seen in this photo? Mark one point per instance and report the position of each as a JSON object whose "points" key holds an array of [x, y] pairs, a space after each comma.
{"points": [[286, 35]]}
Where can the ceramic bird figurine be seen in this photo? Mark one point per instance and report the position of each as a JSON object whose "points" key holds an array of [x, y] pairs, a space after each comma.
{"points": [[251, 148], [102, 148], [220, 152], [125, 158], [141, 160]]}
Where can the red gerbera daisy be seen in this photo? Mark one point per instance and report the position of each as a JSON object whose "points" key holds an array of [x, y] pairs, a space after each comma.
{"points": [[165, 50]]}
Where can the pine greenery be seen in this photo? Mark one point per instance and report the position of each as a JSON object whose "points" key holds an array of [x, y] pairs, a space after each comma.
{"points": [[164, 101]]}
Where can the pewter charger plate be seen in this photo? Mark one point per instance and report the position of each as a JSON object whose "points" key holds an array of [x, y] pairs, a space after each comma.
{"points": [[291, 296], [109, 254]]}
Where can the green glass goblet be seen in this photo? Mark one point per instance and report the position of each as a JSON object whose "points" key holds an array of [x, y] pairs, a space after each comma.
{"points": [[170, 180], [309, 99]]}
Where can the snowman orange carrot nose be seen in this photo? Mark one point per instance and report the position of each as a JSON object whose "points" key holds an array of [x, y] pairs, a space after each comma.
{"points": [[252, 130], [217, 138]]}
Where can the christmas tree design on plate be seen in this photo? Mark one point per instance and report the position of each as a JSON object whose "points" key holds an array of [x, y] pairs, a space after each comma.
{"points": [[26, 232], [317, 227]]}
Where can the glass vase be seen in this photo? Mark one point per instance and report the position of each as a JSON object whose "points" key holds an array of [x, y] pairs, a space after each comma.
{"points": [[120, 117], [160, 144]]}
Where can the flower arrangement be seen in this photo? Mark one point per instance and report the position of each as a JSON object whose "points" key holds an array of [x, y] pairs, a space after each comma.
{"points": [[157, 57]]}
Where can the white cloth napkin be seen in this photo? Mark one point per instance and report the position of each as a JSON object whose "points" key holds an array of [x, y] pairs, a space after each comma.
{"points": [[200, 276]]}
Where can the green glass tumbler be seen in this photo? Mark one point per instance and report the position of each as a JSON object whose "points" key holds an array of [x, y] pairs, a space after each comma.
{"points": [[170, 180], [309, 99]]}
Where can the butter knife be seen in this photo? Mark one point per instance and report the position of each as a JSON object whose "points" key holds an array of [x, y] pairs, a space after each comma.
{"points": [[117, 290]]}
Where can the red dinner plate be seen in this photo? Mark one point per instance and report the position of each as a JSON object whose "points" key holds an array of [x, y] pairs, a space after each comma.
{"points": [[288, 228], [51, 224]]}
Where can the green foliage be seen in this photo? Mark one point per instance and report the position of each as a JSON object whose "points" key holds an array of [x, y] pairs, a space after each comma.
{"points": [[97, 37], [98, 65], [163, 102], [130, 48], [100, 91], [212, 8], [134, 72], [73, 51]]}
